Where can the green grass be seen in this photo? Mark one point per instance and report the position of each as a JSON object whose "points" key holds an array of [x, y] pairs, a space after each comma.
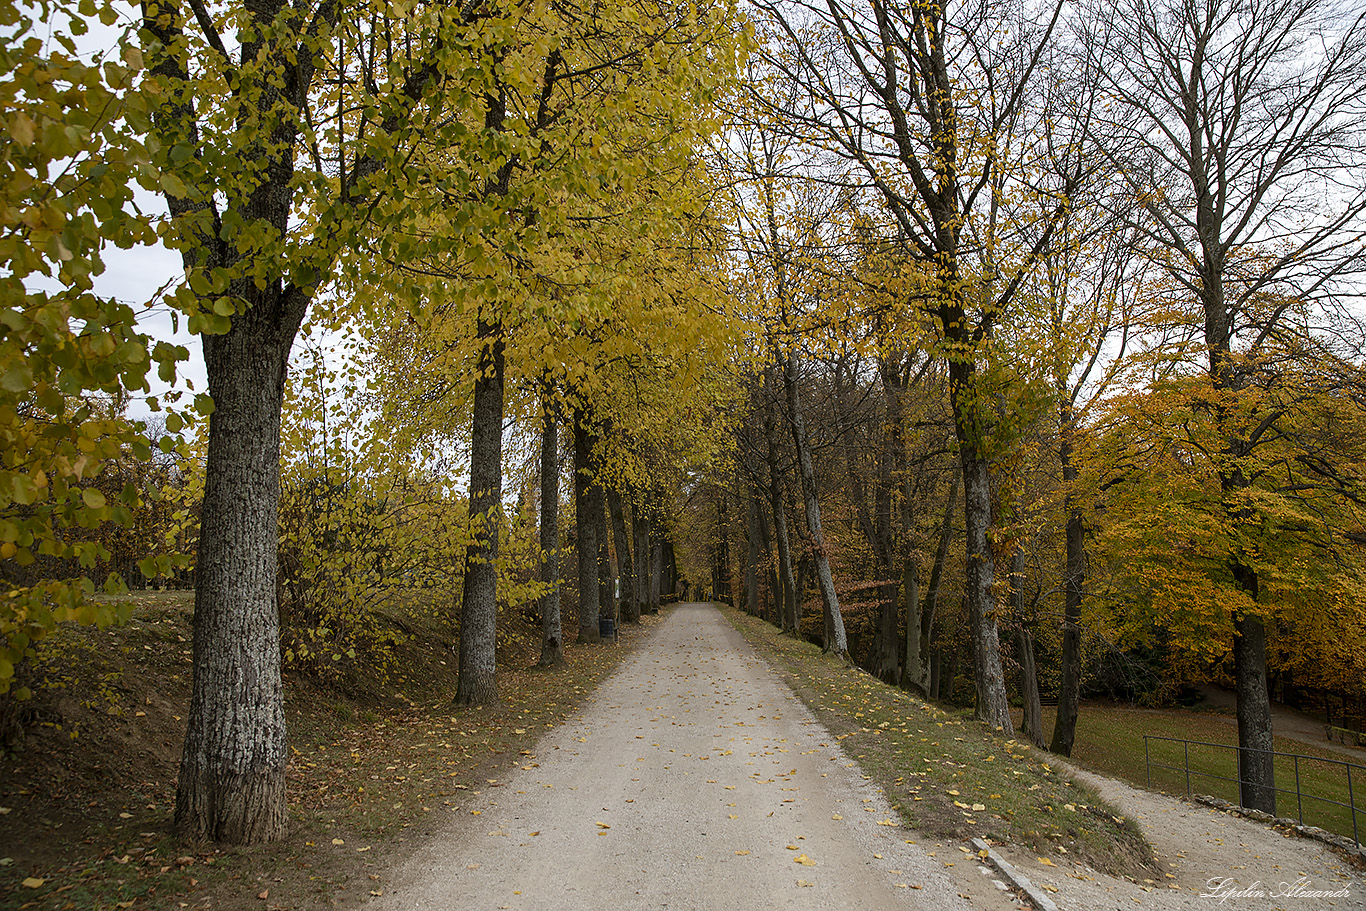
{"points": [[1110, 740], [947, 775]]}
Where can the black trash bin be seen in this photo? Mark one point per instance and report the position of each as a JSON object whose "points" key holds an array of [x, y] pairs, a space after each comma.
{"points": [[607, 627]]}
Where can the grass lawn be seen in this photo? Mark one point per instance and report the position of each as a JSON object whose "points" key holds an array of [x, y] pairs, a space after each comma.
{"points": [[1110, 739]]}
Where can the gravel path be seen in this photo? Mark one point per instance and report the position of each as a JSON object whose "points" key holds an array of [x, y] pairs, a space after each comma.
{"points": [[1210, 859], [694, 780]]}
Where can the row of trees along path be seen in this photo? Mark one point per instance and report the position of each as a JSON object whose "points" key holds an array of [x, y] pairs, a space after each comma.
{"points": [[1078, 275]]}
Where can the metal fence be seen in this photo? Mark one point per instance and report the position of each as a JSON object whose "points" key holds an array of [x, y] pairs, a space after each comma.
{"points": [[1299, 793]]}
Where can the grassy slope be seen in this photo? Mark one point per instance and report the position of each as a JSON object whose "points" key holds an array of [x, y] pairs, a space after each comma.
{"points": [[1110, 741], [376, 763], [947, 775]]}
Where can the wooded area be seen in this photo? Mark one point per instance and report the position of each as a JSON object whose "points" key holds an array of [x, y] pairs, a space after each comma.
{"points": [[991, 342]]}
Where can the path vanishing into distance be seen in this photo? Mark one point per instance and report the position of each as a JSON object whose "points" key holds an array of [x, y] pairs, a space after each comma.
{"points": [[693, 780]]}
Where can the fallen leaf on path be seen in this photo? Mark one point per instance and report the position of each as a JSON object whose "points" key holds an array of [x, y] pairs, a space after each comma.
{"points": [[265, 893], [33, 882], [741, 853], [602, 825], [338, 841], [1047, 862], [803, 860]]}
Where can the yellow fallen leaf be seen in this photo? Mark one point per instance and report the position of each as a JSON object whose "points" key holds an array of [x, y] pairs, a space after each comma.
{"points": [[33, 882], [602, 825], [803, 860], [804, 884], [837, 816], [887, 822], [978, 807], [741, 853], [338, 841], [954, 793], [1047, 862]]}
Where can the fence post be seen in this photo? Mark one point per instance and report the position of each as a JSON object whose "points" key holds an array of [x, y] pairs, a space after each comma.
{"points": [[1352, 801], [1147, 762], [1186, 745]]}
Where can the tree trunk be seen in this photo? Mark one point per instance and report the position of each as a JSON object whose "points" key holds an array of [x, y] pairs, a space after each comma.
{"points": [[941, 555], [232, 770], [607, 595], [586, 523], [640, 532], [912, 672], [670, 569], [993, 706], [1032, 724], [656, 570], [789, 609], [752, 556], [552, 633], [1069, 693], [948, 676], [477, 684], [836, 643], [629, 607], [936, 673], [882, 661], [1256, 764], [773, 604]]}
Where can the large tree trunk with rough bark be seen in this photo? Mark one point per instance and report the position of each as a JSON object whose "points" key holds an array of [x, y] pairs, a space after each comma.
{"points": [[1256, 763], [993, 706], [836, 642], [629, 607], [586, 524], [552, 633], [232, 770], [1069, 692], [477, 684]]}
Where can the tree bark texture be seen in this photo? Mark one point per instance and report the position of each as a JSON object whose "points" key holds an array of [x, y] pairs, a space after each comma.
{"points": [[477, 684], [640, 532], [1069, 693], [912, 671], [552, 632], [789, 609], [232, 771], [993, 706], [1256, 764], [586, 523], [607, 596], [629, 607], [836, 642], [752, 555], [1032, 724], [941, 555]]}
